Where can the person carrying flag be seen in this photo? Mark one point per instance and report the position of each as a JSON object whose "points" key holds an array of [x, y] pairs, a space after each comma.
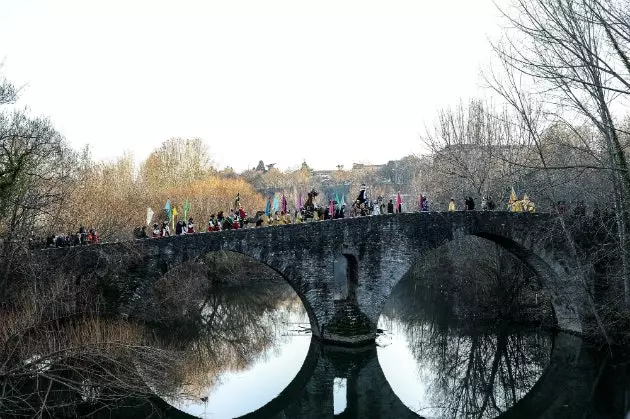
{"points": [[398, 203], [362, 195], [511, 206]]}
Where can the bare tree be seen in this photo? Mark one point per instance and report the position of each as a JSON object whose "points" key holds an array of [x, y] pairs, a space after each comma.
{"points": [[473, 150], [35, 165], [575, 51]]}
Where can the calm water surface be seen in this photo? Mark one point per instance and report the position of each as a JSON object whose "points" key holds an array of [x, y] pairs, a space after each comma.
{"points": [[425, 364], [237, 389]]}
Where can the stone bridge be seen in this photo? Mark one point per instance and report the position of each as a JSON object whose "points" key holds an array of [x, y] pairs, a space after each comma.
{"points": [[344, 270]]}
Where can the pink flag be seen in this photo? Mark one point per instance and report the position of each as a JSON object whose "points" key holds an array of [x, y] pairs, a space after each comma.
{"points": [[331, 210], [398, 203]]}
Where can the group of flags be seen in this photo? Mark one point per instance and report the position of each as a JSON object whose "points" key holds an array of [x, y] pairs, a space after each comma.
{"points": [[279, 203], [520, 205], [171, 212]]}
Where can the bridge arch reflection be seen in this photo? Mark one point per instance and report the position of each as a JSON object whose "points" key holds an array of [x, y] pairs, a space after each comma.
{"points": [[369, 395]]}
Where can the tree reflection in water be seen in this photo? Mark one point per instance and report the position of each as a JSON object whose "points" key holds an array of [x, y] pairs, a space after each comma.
{"points": [[465, 368], [225, 315]]}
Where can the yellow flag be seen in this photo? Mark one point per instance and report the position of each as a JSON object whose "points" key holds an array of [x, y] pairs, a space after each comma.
{"points": [[512, 196], [174, 214]]}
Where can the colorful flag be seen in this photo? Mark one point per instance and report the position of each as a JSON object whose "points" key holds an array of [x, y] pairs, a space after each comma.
{"points": [[299, 201], [512, 200], [186, 209], [268, 207], [284, 204], [398, 203], [173, 218], [167, 208], [343, 199], [276, 204], [149, 215], [337, 200], [331, 209]]}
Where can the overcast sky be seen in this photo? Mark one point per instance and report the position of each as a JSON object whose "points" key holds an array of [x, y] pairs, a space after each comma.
{"points": [[329, 82]]}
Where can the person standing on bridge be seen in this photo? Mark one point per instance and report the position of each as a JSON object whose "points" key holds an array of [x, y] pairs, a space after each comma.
{"points": [[425, 204], [451, 205], [156, 230], [398, 203], [165, 231]]}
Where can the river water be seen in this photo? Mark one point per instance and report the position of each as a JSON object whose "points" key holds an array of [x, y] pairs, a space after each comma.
{"points": [[426, 363]]}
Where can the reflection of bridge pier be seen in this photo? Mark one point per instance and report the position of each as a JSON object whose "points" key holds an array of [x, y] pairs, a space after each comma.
{"points": [[355, 374]]}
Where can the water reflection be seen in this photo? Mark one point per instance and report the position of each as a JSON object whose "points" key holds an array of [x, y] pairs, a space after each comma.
{"points": [[462, 369], [461, 373], [243, 337]]}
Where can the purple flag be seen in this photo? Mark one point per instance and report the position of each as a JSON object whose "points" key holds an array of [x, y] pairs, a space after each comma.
{"points": [[331, 210], [283, 205]]}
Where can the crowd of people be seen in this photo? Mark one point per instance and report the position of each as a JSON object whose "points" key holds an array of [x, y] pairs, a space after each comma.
{"points": [[237, 218], [83, 236]]}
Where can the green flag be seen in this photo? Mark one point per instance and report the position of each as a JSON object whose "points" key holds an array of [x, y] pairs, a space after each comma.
{"points": [[186, 209]]}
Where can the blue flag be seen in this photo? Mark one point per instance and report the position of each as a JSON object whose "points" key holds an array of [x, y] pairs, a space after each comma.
{"points": [[167, 207], [268, 207], [276, 204], [337, 200]]}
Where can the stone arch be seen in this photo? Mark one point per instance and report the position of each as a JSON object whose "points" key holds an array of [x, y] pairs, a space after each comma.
{"points": [[565, 293], [284, 270], [564, 289]]}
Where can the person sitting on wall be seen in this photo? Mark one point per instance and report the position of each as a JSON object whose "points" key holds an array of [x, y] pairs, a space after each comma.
{"points": [[191, 226]]}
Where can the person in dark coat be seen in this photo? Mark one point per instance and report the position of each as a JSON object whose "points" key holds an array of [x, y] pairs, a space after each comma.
{"points": [[390, 207]]}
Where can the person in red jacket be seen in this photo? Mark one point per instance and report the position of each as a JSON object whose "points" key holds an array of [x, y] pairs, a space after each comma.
{"points": [[191, 226]]}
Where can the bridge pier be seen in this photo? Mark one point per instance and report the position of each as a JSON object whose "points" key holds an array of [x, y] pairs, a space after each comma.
{"points": [[337, 382], [348, 325]]}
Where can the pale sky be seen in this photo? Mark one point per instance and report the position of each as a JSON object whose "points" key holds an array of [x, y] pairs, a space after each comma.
{"points": [[328, 81]]}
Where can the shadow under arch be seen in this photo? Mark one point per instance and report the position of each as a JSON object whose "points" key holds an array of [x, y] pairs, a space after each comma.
{"points": [[557, 283], [566, 314], [166, 268], [562, 390]]}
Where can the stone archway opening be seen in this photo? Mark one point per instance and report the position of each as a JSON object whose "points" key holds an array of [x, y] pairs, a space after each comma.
{"points": [[475, 278], [233, 274], [453, 332], [244, 318]]}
